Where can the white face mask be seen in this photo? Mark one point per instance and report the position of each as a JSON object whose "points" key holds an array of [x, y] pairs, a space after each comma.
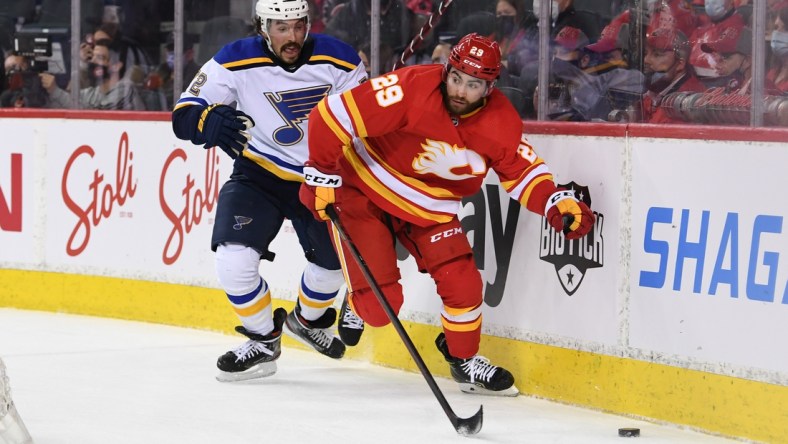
{"points": [[715, 9], [553, 9], [779, 43]]}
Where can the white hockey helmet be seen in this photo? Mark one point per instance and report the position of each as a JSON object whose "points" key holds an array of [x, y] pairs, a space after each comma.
{"points": [[270, 10], [282, 9]]}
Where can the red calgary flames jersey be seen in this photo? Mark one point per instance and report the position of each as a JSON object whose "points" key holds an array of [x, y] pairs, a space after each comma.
{"points": [[393, 138]]}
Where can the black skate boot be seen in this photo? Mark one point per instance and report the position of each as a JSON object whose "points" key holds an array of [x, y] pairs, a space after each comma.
{"points": [[349, 326], [476, 375], [315, 334], [256, 358]]}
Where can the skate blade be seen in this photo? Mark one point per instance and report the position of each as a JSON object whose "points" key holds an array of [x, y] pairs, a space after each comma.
{"points": [[473, 389], [260, 370], [298, 338]]}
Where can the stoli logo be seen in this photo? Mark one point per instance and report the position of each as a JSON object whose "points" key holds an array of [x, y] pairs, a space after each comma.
{"points": [[103, 195], [188, 212]]}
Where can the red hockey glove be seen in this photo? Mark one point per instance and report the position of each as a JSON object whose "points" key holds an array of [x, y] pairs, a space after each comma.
{"points": [[565, 213], [317, 191]]}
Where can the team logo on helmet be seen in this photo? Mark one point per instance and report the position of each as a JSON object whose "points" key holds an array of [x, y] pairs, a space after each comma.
{"points": [[572, 258]]}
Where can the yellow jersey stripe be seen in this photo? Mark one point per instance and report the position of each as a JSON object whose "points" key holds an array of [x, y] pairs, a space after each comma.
{"points": [[318, 58], [247, 62], [531, 186], [415, 183], [322, 108], [273, 168], [313, 303], [456, 312], [255, 308], [372, 181], [355, 114], [471, 326]]}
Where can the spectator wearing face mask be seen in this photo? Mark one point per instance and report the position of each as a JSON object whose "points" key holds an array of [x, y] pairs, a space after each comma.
{"points": [[22, 87], [733, 51], [667, 71], [509, 27], [109, 89], [722, 20], [777, 76]]}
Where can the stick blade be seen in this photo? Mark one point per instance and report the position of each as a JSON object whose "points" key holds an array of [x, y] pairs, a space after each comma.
{"points": [[470, 426]]}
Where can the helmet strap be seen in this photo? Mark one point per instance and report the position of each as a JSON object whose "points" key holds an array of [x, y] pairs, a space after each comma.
{"points": [[490, 85]]}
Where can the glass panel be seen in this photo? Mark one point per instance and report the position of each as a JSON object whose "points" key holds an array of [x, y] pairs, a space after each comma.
{"points": [[776, 61]]}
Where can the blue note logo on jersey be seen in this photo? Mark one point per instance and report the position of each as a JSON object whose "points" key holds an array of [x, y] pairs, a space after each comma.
{"points": [[294, 107]]}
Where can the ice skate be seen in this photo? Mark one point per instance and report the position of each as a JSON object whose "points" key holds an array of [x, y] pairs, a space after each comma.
{"points": [[256, 358], [349, 326], [476, 375], [315, 334]]}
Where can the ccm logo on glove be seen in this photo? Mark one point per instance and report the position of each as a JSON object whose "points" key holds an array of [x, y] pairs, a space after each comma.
{"points": [[316, 178], [568, 215]]}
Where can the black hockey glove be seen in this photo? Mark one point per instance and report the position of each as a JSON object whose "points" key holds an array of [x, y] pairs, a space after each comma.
{"points": [[225, 127]]}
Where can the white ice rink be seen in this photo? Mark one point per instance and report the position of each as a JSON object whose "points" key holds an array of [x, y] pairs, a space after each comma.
{"points": [[85, 380]]}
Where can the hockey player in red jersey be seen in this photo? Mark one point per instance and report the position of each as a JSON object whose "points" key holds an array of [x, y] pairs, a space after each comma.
{"points": [[399, 153]]}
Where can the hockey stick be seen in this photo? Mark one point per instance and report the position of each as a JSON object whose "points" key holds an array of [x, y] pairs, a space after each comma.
{"points": [[414, 44], [463, 426]]}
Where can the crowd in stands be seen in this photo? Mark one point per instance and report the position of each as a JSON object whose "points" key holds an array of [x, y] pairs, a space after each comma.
{"points": [[651, 61]]}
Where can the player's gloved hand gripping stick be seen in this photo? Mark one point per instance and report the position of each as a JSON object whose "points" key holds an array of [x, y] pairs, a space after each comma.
{"points": [[225, 127], [463, 426], [318, 190], [565, 213]]}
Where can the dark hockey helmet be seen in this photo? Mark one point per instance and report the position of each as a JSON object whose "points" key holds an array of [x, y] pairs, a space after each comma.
{"points": [[477, 56]]}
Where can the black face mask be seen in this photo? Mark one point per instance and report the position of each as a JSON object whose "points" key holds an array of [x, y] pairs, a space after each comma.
{"points": [[504, 25]]}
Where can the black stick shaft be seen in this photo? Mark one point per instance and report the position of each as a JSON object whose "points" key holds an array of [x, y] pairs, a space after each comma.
{"points": [[458, 423]]}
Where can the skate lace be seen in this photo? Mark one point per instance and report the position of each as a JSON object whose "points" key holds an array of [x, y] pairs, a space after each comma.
{"points": [[251, 349], [350, 320], [320, 337], [479, 369]]}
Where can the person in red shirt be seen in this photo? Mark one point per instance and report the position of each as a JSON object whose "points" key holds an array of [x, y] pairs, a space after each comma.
{"points": [[666, 64], [396, 155], [721, 18]]}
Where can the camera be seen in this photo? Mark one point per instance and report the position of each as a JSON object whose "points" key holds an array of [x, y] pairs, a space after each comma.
{"points": [[43, 47]]}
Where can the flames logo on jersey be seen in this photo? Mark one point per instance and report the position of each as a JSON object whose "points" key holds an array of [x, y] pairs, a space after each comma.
{"points": [[293, 107], [442, 159]]}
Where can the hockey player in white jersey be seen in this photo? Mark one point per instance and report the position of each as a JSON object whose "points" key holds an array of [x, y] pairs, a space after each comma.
{"points": [[252, 100]]}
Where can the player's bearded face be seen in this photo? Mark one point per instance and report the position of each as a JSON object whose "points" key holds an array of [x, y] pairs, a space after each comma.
{"points": [[464, 93], [287, 38]]}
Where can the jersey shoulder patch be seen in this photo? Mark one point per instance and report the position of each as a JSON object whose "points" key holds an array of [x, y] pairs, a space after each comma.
{"points": [[333, 51], [243, 54]]}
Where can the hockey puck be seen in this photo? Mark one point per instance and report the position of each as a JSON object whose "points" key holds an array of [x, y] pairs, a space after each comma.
{"points": [[628, 432]]}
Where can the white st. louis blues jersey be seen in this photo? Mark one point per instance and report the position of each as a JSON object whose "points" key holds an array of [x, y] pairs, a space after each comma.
{"points": [[278, 100]]}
